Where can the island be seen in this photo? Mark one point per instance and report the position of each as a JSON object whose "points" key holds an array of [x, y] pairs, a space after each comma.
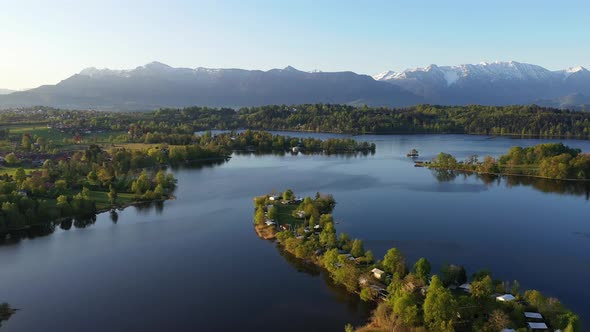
{"points": [[549, 161], [406, 298]]}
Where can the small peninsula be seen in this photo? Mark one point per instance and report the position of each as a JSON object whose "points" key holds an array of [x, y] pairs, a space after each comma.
{"points": [[407, 298]]}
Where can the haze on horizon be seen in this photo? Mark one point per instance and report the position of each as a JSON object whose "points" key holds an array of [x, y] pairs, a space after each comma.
{"points": [[43, 43]]}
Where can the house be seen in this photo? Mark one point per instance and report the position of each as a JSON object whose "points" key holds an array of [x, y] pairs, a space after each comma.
{"points": [[377, 273], [505, 298], [273, 198], [285, 227], [269, 222], [300, 214], [22, 193], [538, 326], [317, 227], [533, 315], [465, 287]]}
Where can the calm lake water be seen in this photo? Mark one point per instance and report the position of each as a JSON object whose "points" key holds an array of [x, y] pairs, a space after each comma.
{"points": [[195, 263]]}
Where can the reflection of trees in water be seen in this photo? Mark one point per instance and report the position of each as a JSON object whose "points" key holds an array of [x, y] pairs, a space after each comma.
{"points": [[200, 164], [444, 175], [47, 229], [114, 216], [577, 188], [5, 312], [340, 294]]}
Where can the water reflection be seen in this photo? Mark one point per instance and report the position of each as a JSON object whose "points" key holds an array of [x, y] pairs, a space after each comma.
{"points": [[575, 188], [339, 293]]}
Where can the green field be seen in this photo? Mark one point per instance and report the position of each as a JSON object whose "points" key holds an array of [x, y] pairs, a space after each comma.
{"points": [[285, 215]]}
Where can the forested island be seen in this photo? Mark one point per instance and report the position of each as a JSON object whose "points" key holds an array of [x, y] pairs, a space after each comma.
{"points": [[549, 160], [407, 299]]}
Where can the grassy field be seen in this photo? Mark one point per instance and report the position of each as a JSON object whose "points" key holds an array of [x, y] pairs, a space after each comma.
{"points": [[285, 215], [50, 134], [102, 199], [11, 170]]}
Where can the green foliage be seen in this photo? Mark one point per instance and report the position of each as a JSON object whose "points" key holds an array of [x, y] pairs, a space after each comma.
{"points": [[394, 262], [273, 212], [358, 249], [439, 307], [422, 269]]}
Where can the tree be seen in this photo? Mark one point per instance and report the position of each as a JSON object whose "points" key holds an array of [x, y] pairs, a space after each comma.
{"points": [[328, 236], [515, 288], [482, 289], [288, 195], [439, 307], [405, 307], [453, 274], [11, 159], [259, 217], [273, 212], [358, 249], [348, 328], [422, 269], [112, 195], [20, 176], [394, 262], [497, 321]]}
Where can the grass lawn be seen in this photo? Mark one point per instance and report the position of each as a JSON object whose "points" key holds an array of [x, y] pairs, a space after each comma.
{"points": [[12, 170], [57, 137], [285, 215], [102, 199]]}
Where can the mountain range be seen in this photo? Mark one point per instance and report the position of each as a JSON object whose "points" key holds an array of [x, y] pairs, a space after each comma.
{"points": [[493, 83], [157, 85]]}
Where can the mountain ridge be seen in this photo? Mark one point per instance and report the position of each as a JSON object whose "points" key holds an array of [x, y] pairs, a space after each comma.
{"points": [[156, 85]]}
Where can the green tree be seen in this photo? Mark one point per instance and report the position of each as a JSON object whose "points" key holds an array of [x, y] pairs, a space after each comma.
{"points": [[439, 307], [273, 212], [20, 176], [422, 269], [358, 249], [406, 309], [394, 262], [348, 328], [288, 195], [482, 289], [11, 159], [259, 217], [112, 195]]}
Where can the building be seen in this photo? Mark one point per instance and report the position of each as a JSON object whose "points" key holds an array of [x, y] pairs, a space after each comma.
{"points": [[273, 198], [465, 287], [505, 298], [538, 326], [377, 273], [533, 315]]}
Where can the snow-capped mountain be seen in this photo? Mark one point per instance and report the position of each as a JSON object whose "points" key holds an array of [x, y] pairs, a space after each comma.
{"points": [[496, 83]]}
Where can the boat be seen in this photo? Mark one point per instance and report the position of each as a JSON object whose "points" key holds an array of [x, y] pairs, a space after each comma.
{"points": [[413, 153]]}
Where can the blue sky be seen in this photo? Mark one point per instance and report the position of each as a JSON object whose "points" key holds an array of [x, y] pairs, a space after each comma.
{"points": [[42, 42]]}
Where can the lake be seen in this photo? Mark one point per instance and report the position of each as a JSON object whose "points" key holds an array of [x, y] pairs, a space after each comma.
{"points": [[196, 264]]}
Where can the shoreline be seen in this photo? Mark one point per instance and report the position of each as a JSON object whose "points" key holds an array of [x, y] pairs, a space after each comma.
{"points": [[470, 171]]}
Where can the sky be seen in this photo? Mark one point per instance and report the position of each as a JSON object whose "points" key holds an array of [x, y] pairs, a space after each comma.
{"points": [[43, 42]]}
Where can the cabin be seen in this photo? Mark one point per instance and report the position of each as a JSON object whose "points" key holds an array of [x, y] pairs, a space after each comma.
{"points": [[538, 326], [273, 198], [285, 227], [505, 298], [377, 273], [269, 222]]}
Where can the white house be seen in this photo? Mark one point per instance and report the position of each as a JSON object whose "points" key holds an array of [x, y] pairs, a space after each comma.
{"points": [[377, 273], [273, 198], [505, 298]]}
